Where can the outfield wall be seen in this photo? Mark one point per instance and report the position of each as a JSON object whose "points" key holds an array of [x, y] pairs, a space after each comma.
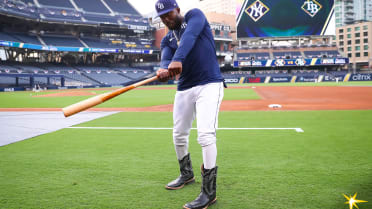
{"points": [[302, 78], [259, 79]]}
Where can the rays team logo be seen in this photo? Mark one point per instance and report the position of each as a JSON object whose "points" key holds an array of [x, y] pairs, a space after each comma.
{"points": [[160, 6], [300, 62], [257, 10], [311, 7]]}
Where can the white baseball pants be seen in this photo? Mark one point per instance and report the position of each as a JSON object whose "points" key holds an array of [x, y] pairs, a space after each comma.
{"points": [[202, 102]]}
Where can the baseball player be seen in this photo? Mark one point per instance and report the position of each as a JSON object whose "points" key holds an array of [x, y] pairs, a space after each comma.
{"points": [[188, 51]]}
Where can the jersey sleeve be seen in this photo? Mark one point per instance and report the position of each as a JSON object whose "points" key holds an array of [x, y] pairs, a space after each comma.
{"points": [[195, 24], [166, 54]]}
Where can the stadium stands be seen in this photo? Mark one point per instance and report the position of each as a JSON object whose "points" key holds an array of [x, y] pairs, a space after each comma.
{"points": [[81, 75], [121, 6], [98, 43], [19, 8], [7, 81], [107, 77], [287, 55], [98, 18], [249, 56], [60, 15], [24, 38], [62, 41], [134, 74], [58, 3], [28, 2], [88, 12], [319, 54], [7, 37], [95, 6], [8, 69]]}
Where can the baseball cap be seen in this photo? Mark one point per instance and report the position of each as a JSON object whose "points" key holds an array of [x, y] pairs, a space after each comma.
{"points": [[165, 6]]}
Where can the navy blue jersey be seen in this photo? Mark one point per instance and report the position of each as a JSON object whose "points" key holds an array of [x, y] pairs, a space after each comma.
{"points": [[196, 50]]}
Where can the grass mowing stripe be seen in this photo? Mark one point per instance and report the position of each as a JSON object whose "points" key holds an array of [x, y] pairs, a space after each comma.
{"points": [[149, 128], [134, 98]]}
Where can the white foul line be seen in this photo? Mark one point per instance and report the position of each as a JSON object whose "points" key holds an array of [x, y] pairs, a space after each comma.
{"points": [[149, 128]]}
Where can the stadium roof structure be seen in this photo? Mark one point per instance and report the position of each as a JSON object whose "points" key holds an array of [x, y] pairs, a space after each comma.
{"points": [[78, 12], [103, 15]]}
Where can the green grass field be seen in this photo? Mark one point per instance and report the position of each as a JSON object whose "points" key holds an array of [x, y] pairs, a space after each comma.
{"points": [[135, 98], [283, 169]]}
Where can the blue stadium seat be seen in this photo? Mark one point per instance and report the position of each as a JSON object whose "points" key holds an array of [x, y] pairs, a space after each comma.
{"points": [[71, 74], [134, 74], [121, 6], [7, 37], [98, 43], [58, 3], [61, 15], [112, 78], [62, 41], [256, 56], [31, 39], [29, 2], [7, 81], [95, 6], [287, 55], [19, 8], [313, 54], [96, 18]]}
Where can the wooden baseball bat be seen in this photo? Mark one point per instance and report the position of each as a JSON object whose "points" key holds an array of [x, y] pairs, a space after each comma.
{"points": [[93, 101]]}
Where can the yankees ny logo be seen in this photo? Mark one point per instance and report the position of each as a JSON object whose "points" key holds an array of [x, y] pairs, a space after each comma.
{"points": [[311, 7], [160, 6], [257, 10]]}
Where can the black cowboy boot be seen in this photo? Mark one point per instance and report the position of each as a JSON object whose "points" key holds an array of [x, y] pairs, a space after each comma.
{"points": [[207, 195], [186, 177]]}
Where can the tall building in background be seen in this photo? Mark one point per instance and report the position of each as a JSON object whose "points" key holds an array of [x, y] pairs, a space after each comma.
{"points": [[218, 6], [344, 12], [354, 40], [363, 10], [349, 11]]}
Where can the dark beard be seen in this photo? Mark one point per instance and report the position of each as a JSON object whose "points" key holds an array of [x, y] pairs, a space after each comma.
{"points": [[177, 25]]}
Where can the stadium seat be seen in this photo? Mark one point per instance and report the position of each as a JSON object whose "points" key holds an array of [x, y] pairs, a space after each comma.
{"points": [[95, 6], [121, 6], [62, 41], [54, 3]]}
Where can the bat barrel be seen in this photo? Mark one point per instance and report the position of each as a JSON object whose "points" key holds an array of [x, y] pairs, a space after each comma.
{"points": [[83, 105], [91, 102]]}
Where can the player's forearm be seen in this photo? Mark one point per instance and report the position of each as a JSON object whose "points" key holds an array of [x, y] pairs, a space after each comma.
{"points": [[166, 57]]}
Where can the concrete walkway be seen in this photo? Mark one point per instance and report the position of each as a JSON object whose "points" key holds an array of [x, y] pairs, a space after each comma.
{"points": [[18, 126]]}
